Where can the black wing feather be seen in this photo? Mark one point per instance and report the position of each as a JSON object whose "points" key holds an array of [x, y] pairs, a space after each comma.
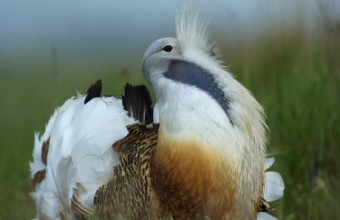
{"points": [[137, 101], [94, 91]]}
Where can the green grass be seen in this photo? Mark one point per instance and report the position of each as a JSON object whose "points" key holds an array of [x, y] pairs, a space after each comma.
{"points": [[296, 82], [299, 87]]}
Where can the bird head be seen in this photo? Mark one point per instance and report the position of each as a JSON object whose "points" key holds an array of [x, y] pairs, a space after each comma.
{"points": [[186, 74], [158, 56]]}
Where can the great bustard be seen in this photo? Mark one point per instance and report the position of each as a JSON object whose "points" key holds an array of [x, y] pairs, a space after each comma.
{"points": [[205, 158]]}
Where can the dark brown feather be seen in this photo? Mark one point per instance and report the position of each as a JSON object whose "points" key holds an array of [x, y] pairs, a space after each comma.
{"points": [[264, 206], [44, 151], [38, 177]]}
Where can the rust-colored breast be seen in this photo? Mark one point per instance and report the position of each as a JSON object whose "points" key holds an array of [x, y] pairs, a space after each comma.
{"points": [[192, 181]]}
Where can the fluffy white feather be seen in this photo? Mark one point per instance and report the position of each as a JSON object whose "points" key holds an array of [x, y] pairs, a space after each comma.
{"points": [[265, 216], [192, 33], [274, 185], [80, 158], [273, 188]]}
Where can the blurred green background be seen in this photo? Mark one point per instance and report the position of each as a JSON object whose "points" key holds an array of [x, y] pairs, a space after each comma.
{"points": [[289, 60]]}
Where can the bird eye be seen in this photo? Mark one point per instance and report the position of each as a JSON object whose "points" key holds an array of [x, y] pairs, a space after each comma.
{"points": [[167, 48]]}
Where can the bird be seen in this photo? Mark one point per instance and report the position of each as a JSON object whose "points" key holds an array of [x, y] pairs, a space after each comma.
{"points": [[200, 153]]}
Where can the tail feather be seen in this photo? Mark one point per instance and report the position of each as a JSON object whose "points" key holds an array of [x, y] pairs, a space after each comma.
{"points": [[273, 189], [77, 141], [94, 91], [265, 216], [137, 101], [274, 185]]}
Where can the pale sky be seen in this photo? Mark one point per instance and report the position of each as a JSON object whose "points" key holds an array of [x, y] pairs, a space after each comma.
{"points": [[107, 28]]}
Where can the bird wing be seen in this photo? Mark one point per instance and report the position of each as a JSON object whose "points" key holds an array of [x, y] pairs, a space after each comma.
{"points": [[129, 193]]}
